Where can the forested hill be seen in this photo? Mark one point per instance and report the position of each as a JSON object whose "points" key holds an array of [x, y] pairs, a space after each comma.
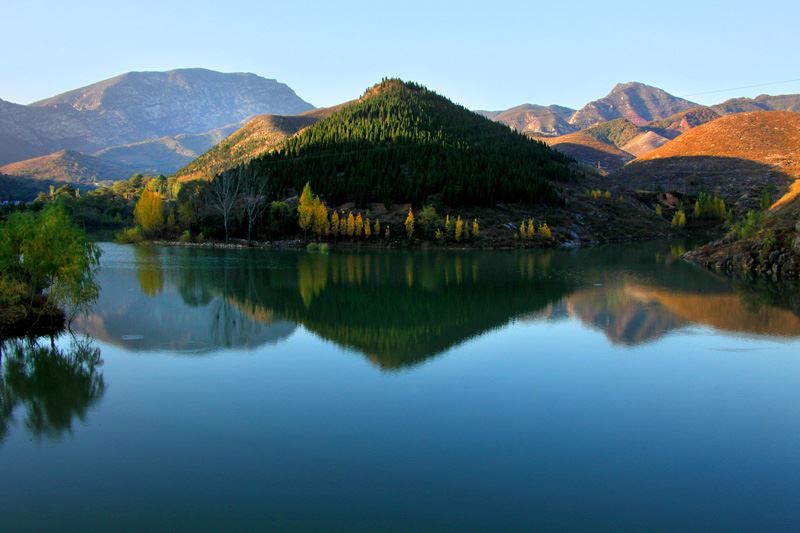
{"points": [[401, 142]]}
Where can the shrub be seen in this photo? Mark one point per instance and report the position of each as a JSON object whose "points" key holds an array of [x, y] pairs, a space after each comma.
{"points": [[130, 236], [186, 236]]}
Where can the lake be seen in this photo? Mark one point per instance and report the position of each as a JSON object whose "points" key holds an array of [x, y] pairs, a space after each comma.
{"points": [[614, 388]]}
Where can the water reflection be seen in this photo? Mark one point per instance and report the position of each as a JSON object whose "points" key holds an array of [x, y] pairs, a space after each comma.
{"points": [[401, 308], [53, 387]]}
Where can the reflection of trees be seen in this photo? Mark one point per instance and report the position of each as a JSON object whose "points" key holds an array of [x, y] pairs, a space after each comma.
{"points": [[150, 270], [53, 386]]}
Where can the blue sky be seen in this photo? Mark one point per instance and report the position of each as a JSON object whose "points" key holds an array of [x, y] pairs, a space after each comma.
{"points": [[485, 55]]}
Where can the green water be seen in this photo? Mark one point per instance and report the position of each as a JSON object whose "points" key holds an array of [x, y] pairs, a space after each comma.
{"points": [[614, 388]]}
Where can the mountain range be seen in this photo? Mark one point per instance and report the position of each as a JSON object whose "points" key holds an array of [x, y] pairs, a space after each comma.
{"points": [[191, 121], [182, 111]]}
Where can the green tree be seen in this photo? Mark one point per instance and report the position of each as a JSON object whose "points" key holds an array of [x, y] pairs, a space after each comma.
{"points": [[51, 256]]}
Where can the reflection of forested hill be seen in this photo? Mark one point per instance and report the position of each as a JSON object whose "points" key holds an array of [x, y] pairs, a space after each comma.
{"points": [[402, 308]]}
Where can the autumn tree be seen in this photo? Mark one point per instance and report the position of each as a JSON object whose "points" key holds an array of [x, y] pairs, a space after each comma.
{"points": [[351, 224], [305, 208], [475, 227], [523, 230], [320, 224], [335, 223], [377, 227], [679, 219], [410, 223], [544, 231], [459, 228], [367, 229], [359, 225], [149, 212], [531, 229]]}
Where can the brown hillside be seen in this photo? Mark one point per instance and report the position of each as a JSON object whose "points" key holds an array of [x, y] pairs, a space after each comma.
{"points": [[644, 143], [258, 136], [769, 137], [735, 156], [68, 166], [589, 151]]}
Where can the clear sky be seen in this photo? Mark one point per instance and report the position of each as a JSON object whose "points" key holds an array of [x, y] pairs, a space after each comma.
{"points": [[492, 54]]}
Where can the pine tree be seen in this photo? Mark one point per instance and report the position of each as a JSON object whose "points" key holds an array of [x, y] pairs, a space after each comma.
{"points": [[447, 225], [523, 230], [410, 223], [459, 230], [351, 224]]}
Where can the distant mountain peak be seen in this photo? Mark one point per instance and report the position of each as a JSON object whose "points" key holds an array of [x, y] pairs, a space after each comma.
{"points": [[635, 101]]}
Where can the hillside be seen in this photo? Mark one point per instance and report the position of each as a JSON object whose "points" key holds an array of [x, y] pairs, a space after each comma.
{"points": [[644, 143], [535, 119], [617, 132], [678, 123], [401, 142], [736, 156], [764, 102], [587, 149], [258, 136], [67, 166], [165, 155], [637, 102], [137, 106]]}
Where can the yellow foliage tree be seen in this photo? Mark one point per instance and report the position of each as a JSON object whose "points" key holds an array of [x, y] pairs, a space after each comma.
{"points": [[447, 225], [367, 228], [475, 227], [388, 233], [410, 223], [679, 219], [320, 223], [439, 234], [377, 227], [149, 213], [523, 230], [335, 223], [351, 224], [459, 228], [305, 209], [544, 231], [531, 229], [359, 225]]}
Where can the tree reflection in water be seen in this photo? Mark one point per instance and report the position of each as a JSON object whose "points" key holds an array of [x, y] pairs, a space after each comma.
{"points": [[52, 386]]}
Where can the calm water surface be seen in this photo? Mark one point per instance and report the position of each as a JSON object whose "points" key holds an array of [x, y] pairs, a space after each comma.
{"points": [[608, 389]]}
